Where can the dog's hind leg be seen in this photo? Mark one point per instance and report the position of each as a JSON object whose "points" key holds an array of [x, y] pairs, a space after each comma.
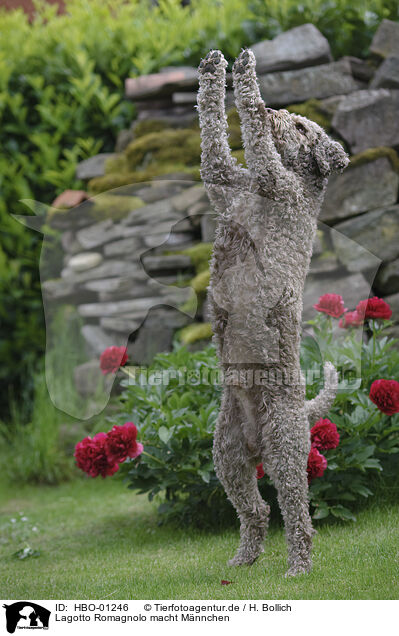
{"points": [[235, 468], [287, 443]]}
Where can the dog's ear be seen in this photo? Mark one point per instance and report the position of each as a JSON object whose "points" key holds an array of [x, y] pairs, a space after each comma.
{"points": [[330, 157]]}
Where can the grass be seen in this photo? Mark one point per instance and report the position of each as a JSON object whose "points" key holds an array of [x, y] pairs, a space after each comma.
{"points": [[97, 540]]}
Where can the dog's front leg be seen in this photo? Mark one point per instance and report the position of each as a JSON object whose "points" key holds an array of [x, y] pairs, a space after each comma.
{"points": [[261, 156], [218, 166]]}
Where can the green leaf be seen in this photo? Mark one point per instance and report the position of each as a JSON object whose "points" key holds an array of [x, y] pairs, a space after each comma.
{"points": [[364, 453], [361, 490], [346, 496], [321, 511], [165, 434], [372, 463], [342, 513], [205, 475]]}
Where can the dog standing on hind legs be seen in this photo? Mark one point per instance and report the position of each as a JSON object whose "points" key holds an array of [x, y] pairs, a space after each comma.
{"points": [[267, 217]]}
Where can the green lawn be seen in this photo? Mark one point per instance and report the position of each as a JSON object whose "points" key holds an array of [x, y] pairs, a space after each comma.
{"points": [[97, 540]]}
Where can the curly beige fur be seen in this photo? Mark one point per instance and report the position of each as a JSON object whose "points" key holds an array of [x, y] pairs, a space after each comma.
{"points": [[267, 216]]}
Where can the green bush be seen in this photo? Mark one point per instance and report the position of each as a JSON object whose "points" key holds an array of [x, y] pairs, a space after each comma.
{"points": [[61, 101], [369, 440], [177, 422], [176, 419]]}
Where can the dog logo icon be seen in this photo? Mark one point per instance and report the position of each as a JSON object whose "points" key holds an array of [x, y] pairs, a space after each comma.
{"points": [[26, 615]]}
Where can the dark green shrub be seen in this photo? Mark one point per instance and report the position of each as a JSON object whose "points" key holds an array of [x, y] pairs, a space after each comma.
{"points": [[177, 421], [62, 100], [369, 439]]}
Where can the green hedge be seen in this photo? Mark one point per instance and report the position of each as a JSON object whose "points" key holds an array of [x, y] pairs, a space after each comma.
{"points": [[61, 101]]}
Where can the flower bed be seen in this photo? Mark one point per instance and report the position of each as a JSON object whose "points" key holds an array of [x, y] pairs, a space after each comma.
{"points": [[175, 402]]}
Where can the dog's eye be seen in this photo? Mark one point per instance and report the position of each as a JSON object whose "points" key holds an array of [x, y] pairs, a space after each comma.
{"points": [[301, 128]]}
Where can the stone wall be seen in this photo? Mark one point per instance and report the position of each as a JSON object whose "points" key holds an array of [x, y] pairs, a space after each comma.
{"points": [[133, 254]]}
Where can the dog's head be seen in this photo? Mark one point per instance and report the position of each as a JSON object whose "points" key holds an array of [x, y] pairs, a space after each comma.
{"points": [[304, 146]]}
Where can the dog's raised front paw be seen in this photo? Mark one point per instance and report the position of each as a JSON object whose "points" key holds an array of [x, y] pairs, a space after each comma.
{"points": [[213, 63], [245, 61]]}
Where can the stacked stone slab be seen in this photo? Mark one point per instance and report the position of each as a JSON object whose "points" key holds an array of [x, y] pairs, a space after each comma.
{"points": [[357, 250], [116, 272]]}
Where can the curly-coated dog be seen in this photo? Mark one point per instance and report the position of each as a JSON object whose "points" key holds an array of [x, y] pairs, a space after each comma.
{"points": [[267, 216]]}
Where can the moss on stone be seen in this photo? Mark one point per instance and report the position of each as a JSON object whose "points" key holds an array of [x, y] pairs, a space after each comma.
{"points": [[111, 181], [156, 150], [116, 164], [196, 331], [115, 180], [371, 154], [159, 150], [112, 206], [200, 282], [313, 110], [199, 255], [168, 146], [148, 126]]}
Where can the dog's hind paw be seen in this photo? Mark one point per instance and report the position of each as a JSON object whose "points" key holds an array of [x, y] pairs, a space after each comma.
{"points": [[295, 570], [244, 558], [240, 560]]}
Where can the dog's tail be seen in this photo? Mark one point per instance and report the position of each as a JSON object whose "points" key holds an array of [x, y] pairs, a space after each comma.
{"points": [[321, 404]]}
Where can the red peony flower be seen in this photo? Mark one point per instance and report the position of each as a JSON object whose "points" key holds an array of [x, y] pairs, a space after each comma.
{"points": [[259, 471], [385, 394], [324, 435], [374, 308], [351, 319], [112, 358], [317, 464], [121, 443], [331, 304], [92, 457]]}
